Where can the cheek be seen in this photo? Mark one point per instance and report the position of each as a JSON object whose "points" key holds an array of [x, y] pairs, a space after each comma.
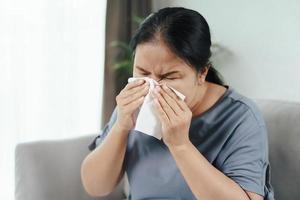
{"points": [[185, 87], [189, 90]]}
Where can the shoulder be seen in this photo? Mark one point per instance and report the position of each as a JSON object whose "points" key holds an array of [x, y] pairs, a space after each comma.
{"points": [[244, 155], [245, 106], [248, 128], [243, 121], [104, 131], [113, 117]]}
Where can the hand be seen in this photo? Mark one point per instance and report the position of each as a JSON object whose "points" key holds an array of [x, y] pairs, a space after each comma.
{"points": [[174, 115], [128, 100]]}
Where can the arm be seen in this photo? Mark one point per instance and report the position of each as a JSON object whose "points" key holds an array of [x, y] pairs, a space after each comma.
{"points": [[205, 181], [102, 169]]}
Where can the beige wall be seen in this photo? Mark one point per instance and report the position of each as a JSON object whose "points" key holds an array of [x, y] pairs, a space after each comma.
{"points": [[262, 44]]}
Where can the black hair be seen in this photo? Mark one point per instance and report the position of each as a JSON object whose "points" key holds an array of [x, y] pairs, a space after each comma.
{"points": [[185, 32]]}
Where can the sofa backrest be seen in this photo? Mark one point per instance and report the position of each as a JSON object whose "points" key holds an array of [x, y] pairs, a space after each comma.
{"points": [[50, 170], [283, 122]]}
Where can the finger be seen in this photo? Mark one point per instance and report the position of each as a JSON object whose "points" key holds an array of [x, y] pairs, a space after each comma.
{"points": [[183, 105], [138, 94], [160, 112], [179, 101], [165, 106], [173, 95], [133, 91], [133, 105], [170, 99], [134, 84], [171, 103]]}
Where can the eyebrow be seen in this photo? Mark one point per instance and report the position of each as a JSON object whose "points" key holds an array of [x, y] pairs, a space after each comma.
{"points": [[166, 74]]}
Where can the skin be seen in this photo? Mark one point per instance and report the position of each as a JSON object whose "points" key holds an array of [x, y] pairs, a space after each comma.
{"points": [[155, 60]]}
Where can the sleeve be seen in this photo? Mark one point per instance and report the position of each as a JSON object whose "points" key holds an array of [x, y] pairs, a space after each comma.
{"points": [[105, 130], [245, 157]]}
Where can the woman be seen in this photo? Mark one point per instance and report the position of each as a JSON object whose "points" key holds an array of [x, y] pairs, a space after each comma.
{"points": [[214, 144]]}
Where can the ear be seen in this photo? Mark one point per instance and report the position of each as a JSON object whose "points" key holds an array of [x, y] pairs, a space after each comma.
{"points": [[202, 75]]}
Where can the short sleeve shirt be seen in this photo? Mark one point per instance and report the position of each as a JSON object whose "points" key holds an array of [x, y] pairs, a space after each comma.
{"points": [[231, 135]]}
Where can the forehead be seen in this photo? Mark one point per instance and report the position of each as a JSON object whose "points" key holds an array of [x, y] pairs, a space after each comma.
{"points": [[158, 57]]}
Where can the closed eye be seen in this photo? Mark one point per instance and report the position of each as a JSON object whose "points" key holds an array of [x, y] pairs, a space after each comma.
{"points": [[166, 78]]}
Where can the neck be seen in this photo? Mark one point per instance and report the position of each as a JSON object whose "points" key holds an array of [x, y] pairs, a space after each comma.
{"points": [[200, 99], [208, 95]]}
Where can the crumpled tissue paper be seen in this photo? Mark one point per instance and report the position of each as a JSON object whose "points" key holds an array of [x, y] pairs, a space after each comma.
{"points": [[147, 122]]}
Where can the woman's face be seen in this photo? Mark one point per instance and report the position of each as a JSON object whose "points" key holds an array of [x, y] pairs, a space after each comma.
{"points": [[156, 61]]}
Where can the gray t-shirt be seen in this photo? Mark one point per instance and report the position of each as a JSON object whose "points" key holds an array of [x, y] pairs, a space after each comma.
{"points": [[231, 135]]}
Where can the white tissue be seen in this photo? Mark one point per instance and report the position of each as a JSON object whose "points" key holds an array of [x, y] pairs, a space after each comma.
{"points": [[147, 122]]}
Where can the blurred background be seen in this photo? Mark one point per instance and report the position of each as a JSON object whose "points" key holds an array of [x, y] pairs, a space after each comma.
{"points": [[62, 62]]}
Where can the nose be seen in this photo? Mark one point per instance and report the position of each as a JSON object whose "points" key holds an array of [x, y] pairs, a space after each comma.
{"points": [[155, 78], [159, 80]]}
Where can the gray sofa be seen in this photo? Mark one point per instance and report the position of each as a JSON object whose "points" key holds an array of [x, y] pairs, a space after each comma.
{"points": [[50, 170]]}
